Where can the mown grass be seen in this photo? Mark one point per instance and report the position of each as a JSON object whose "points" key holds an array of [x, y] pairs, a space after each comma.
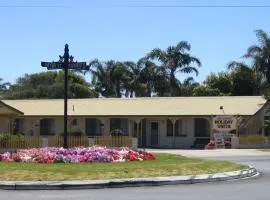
{"points": [[164, 165]]}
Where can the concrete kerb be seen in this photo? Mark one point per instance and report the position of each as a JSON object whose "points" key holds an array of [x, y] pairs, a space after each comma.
{"points": [[134, 182]]}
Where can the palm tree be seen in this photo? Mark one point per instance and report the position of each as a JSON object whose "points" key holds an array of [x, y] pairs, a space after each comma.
{"points": [[133, 84], [109, 78], [187, 86], [147, 76], [260, 55], [102, 79], [153, 79], [161, 82], [234, 65], [173, 60]]}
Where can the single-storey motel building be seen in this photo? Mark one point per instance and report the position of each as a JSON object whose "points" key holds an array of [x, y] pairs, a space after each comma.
{"points": [[163, 122]]}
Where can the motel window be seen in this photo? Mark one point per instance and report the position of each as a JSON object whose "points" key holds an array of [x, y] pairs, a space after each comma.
{"points": [[93, 127], [177, 127], [119, 123], [202, 127], [47, 126], [18, 126]]}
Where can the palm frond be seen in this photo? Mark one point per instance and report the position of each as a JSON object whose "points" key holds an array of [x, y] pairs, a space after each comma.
{"points": [[189, 70], [235, 64], [141, 62], [253, 51], [158, 54], [195, 60], [131, 65], [182, 46], [94, 63], [262, 36], [189, 80]]}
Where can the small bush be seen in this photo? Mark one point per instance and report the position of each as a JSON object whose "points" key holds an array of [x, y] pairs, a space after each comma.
{"points": [[4, 137], [228, 144], [75, 132], [117, 132]]}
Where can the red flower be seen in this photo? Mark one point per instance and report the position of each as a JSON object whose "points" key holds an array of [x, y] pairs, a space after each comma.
{"points": [[211, 143]]}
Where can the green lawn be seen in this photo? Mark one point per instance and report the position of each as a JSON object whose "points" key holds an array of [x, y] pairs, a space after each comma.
{"points": [[164, 165]]}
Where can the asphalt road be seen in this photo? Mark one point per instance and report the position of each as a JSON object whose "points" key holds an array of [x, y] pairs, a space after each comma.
{"points": [[249, 189]]}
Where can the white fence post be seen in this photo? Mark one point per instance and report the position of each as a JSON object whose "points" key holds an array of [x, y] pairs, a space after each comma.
{"points": [[45, 142], [91, 141], [135, 143]]}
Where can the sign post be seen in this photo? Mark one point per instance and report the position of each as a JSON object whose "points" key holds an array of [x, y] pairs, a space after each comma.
{"points": [[65, 62]]}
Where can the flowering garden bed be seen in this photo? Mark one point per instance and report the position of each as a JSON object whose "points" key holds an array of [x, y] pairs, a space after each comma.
{"points": [[101, 163], [75, 155]]}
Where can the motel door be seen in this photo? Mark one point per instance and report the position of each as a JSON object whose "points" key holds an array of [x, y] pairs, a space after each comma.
{"points": [[154, 133]]}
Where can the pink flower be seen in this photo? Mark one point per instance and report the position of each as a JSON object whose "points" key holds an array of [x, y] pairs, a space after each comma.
{"points": [[75, 155]]}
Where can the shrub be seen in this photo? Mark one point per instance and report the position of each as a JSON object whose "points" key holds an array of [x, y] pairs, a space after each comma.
{"points": [[4, 137], [228, 144], [117, 132], [75, 132], [211, 145]]}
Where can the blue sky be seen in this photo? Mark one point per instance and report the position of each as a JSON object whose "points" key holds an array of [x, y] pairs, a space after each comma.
{"points": [[34, 31]]}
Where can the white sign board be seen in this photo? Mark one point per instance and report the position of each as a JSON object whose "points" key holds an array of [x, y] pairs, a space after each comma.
{"points": [[224, 123], [219, 139]]}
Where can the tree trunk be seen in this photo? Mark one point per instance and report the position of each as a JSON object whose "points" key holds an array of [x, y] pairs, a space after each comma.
{"points": [[118, 89], [172, 84], [149, 90], [131, 94]]}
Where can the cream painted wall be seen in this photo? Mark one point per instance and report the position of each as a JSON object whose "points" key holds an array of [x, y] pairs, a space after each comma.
{"points": [[80, 124], [164, 141], [82, 120], [180, 141], [28, 126], [256, 123], [265, 112], [31, 125], [105, 121], [4, 125], [130, 127], [106, 128], [59, 125]]}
